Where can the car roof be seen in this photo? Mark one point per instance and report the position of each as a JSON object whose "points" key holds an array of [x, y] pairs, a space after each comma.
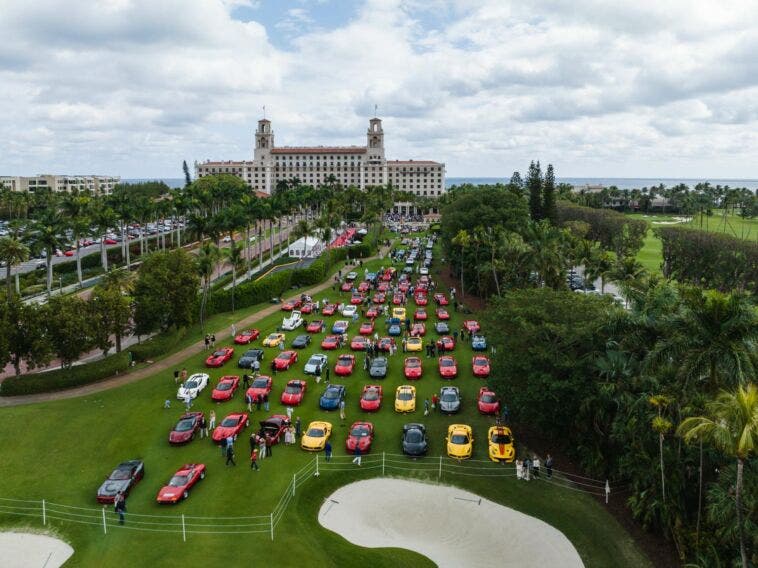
{"points": [[317, 423]]}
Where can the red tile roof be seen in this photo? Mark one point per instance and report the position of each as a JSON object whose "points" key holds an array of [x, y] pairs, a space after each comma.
{"points": [[319, 150]]}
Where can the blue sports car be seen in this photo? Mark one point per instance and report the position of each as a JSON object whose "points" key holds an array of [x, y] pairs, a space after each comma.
{"points": [[340, 327], [479, 343], [332, 396]]}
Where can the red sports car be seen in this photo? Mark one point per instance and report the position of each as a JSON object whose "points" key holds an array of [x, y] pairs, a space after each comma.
{"points": [[218, 358], [421, 299], [361, 435], [487, 401], [385, 342], [232, 425], [329, 309], [294, 392], [446, 343], [345, 365], [186, 428], [383, 287], [69, 253], [226, 387], [367, 328], [442, 314], [363, 286], [397, 299], [412, 368], [448, 367], [261, 385], [371, 398], [472, 326], [180, 484], [372, 312], [420, 315], [314, 326], [418, 330], [285, 359], [359, 343], [379, 298], [307, 308], [110, 241], [274, 427], [290, 305], [245, 337], [356, 299], [441, 299], [330, 342], [481, 366], [346, 286], [403, 287]]}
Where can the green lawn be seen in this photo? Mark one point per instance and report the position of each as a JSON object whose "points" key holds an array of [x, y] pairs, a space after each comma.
{"points": [[61, 451]]}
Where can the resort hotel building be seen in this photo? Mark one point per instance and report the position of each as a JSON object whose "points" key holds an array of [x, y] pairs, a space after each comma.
{"points": [[98, 185], [359, 166]]}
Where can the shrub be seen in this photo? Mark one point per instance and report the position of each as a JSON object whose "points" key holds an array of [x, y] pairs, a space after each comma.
{"points": [[614, 231], [157, 345], [62, 379]]}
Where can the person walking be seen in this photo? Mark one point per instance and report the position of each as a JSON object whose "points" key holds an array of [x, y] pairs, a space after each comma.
{"points": [[549, 466], [119, 506], [297, 427], [212, 421], [256, 368], [426, 407], [269, 445], [519, 469], [245, 381], [328, 451], [249, 401], [234, 330], [357, 454], [224, 443], [213, 341], [327, 375], [207, 341], [281, 346], [203, 427], [176, 376], [187, 401], [536, 466], [342, 410], [254, 460], [435, 401], [289, 413], [230, 455], [455, 335], [265, 402]]}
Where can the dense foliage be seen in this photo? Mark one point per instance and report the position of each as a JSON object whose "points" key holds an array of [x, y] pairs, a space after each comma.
{"points": [[614, 231]]}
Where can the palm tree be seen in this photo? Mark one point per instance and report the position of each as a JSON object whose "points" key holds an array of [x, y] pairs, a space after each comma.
{"points": [[234, 254], [304, 229], [48, 234], [599, 265], [12, 252], [463, 241], [207, 259], [730, 423], [661, 425], [76, 209], [104, 218], [547, 243]]}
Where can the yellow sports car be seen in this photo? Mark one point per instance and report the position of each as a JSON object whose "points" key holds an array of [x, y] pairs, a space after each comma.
{"points": [[316, 436], [500, 440], [460, 441], [273, 340], [414, 344], [398, 313], [405, 398]]}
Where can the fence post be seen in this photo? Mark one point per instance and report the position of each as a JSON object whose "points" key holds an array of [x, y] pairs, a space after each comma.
{"points": [[382, 464], [317, 473], [44, 516], [105, 526], [439, 473], [607, 491], [294, 483], [184, 530], [271, 518]]}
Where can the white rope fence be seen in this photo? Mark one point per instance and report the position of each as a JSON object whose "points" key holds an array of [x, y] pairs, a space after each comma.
{"points": [[439, 466]]}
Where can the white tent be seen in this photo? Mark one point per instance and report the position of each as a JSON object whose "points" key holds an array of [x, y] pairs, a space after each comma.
{"points": [[309, 247]]}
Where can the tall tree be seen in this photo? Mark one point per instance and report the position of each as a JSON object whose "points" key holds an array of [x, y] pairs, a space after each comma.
{"points": [[72, 333], [187, 176], [12, 252], [48, 234], [207, 260], [26, 334], [234, 254], [534, 187], [76, 208], [549, 209]]}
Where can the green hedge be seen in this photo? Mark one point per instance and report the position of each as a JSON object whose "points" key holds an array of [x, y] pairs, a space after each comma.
{"points": [[157, 345], [606, 226], [62, 379]]}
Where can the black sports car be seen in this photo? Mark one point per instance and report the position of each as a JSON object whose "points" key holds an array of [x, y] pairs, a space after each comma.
{"points": [[415, 442], [301, 341], [123, 478], [248, 357]]}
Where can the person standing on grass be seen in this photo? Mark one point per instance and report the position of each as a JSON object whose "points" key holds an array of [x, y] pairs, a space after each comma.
{"points": [[404, 345], [249, 401], [176, 376], [234, 330], [435, 400], [230, 455], [187, 401], [289, 413], [261, 447], [212, 423], [327, 375], [549, 466], [253, 441], [426, 407], [265, 402], [519, 469], [183, 374], [119, 506], [297, 427], [357, 454], [213, 340], [207, 341], [536, 466], [254, 460], [245, 380], [258, 401], [342, 410], [328, 451], [203, 427], [269, 445], [527, 468], [281, 346]]}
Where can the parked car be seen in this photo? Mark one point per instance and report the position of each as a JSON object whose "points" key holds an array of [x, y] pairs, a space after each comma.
{"points": [[292, 322], [412, 368], [345, 365], [360, 435], [378, 369], [231, 426], [274, 339], [450, 400], [285, 359], [218, 358], [316, 364], [294, 392], [460, 441], [332, 396], [448, 367], [500, 444], [245, 337], [192, 387], [405, 398], [181, 482], [478, 342], [122, 479], [185, 429], [301, 342], [481, 366], [316, 435], [249, 357], [487, 402], [226, 387], [261, 385], [414, 440], [371, 398]]}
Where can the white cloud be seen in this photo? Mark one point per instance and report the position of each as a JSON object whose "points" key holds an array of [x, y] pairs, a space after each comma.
{"points": [[633, 88]]}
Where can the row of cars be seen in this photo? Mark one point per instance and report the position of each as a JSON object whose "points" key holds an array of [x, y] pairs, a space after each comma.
{"points": [[128, 474]]}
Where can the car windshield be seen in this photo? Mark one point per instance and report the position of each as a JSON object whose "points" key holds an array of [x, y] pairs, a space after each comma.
{"points": [[230, 422], [273, 337], [447, 363], [371, 394], [449, 397], [345, 360], [302, 339], [360, 432], [412, 363], [315, 432], [260, 383], [331, 393], [185, 425], [224, 386], [405, 395], [190, 385], [480, 361], [380, 364], [121, 474], [284, 356], [488, 398], [293, 389], [414, 437], [501, 439], [246, 333], [178, 481], [251, 353], [459, 439]]}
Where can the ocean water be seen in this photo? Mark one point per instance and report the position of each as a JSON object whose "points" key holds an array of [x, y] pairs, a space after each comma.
{"points": [[621, 183]]}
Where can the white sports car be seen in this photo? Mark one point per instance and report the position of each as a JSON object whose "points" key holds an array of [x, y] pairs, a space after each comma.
{"points": [[317, 361], [349, 310], [192, 386], [293, 322]]}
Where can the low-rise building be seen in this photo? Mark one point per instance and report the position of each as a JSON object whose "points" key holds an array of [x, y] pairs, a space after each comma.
{"points": [[98, 185]]}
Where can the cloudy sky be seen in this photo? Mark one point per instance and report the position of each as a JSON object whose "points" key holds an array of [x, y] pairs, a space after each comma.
{"points": [[620, 88]]}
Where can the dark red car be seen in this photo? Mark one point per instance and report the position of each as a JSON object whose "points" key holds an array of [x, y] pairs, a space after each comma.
{"points": [[472, 326], [345, 365], [379, 298], [412, 368], [385, 343], [363, 286], [245, 337], [294, 392], [232, 425], [226, 387], [218, 358], [442, 314], [261, 385], [383, 287], [446, 343], [421, 299], [359, 343], [329, 309], [372, 312], [285, 359], [441, 299], [367, 328], [356, 299], [361, 435], [487, 402], [418, 330], [330, 342], [346, 286], [371, 398], [481, 366], [274, 427], [180, 484], [314, 326], [186, 428], [290, 305], [420, 315], [448, 367], [122, 479], [397, 299], [307, 308]]}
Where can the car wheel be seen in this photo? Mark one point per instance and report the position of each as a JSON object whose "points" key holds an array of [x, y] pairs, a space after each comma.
{"points": [[202, 474], [185, 494]]}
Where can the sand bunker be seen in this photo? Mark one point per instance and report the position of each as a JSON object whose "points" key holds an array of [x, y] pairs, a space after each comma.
{"points": [[450, 526], [25, 550]]}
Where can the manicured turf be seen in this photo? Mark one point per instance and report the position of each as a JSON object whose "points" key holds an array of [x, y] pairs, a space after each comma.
{"points": [[61, 452]]}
